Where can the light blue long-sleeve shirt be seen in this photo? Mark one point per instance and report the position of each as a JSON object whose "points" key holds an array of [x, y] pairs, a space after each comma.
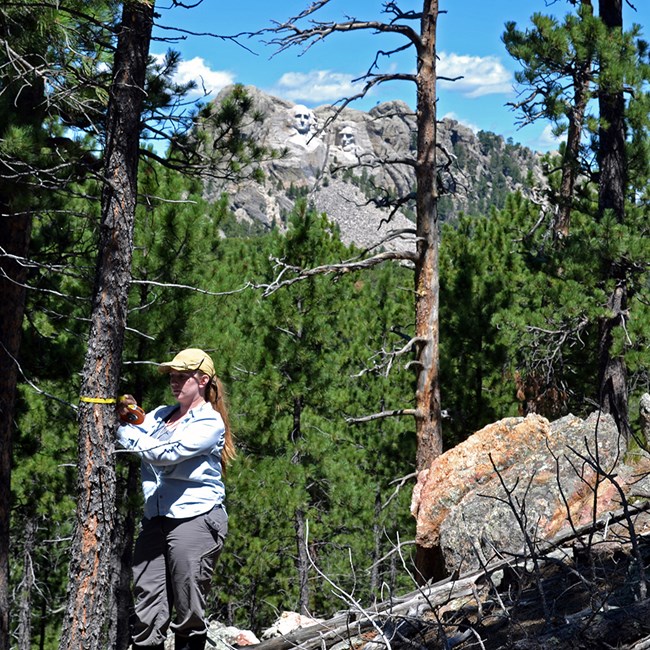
{"points": [[181, 467]]}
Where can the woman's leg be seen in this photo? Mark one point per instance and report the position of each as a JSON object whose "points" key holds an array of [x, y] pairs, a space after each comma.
{"points": [[193, 547], [151, 590]]}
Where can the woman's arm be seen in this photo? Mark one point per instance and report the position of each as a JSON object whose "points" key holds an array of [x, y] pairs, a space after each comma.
{"points": [[202, 433]]}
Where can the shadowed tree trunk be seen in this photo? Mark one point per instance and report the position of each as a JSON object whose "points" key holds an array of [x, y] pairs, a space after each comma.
{"points": [[582, 78], [612, 164], [15, 241], [26, 587], [22, 99], [91, 554], [302, 561]]}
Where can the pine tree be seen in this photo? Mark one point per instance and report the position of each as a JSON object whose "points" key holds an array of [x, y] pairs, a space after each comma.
{"points": [[557, 77], [613, 61], [36, 162], [481, 270]]}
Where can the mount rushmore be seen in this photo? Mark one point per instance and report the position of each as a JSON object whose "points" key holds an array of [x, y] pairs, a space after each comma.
{"points": [[339, 165]]}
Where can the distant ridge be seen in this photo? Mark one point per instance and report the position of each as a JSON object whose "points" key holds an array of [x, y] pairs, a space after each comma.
{"points": [[338, 167]]}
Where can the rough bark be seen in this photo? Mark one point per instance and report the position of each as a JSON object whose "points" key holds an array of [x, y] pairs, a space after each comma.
{"points": [[16, 230], [427, 396], [26, 587], [612, 371], [122, 601], [612, 167], [90, 579], [612, 164], [302, 561], [571, 160]]}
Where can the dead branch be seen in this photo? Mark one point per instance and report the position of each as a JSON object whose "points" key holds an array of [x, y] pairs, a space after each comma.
{"points": [[329, 269], [389, 357], [189, 287], [349, 624], [518, 509], [401, 482], [33, 385], [382, 415]]}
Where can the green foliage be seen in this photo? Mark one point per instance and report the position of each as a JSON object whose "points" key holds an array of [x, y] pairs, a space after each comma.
{"points": [[562, 65], [480, 271]]}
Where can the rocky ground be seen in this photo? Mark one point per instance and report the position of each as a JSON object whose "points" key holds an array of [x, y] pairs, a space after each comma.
{"points": [[587, 594]]}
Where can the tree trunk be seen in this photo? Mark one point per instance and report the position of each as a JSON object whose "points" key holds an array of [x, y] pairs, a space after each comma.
{"points": [[377, 534], [427, 396], [16, 230], [302, 562], [26, 587], [90, 566], [611, 135], [125, 527], [571, 159], [612, 163], [612, 371]]}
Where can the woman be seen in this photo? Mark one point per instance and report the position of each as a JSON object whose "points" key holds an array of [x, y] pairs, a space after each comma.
{"points": [[184, 448]]}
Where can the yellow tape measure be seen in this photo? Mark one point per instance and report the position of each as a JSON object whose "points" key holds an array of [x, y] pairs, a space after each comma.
{"points": [[98, 400]]}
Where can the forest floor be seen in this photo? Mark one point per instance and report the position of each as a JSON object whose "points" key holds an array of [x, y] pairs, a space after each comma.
{"points": [[597, 602], [592, 595], [589, 594]]}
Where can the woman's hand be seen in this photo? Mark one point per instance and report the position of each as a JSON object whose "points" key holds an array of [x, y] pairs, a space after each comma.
{"points": [[128, 410]]}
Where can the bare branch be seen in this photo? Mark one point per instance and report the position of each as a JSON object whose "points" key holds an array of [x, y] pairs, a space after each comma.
{"points": [[329, 269], [382, 415], [30, 383]]}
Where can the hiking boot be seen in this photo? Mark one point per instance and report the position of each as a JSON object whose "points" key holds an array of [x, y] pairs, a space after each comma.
{"points": [[195, 642]]}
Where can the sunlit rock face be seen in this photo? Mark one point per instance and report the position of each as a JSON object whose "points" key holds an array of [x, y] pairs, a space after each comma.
{"points": [[339, 166], [520, 481]]}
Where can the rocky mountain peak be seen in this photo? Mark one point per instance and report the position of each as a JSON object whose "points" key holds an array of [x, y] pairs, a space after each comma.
{"points": [[339, 165]]}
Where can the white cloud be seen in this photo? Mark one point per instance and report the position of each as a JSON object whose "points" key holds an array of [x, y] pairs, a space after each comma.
{"points": [[547, 141], [315, 86], [208, 81], [480, 75]]}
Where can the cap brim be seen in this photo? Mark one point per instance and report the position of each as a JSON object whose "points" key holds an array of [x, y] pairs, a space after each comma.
{"points": [[166, 368]]}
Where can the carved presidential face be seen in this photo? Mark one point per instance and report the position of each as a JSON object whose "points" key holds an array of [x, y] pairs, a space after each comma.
{"points": [[347, 138], [302, 118]]}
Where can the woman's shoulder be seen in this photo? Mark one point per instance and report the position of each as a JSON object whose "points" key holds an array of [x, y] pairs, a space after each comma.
{"points": [[206, 411]]}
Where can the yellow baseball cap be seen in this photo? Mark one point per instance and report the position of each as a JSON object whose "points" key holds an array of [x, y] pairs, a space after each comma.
{"points": [[189, 359]]}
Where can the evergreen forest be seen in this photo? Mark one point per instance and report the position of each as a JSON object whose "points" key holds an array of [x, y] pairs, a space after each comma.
{"points": [[528, 318]]}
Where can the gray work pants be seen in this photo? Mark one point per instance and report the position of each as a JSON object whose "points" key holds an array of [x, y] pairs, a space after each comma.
{"points": [[173, 564]]}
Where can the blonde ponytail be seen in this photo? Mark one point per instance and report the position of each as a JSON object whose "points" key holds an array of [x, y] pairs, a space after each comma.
{"points": [[216, 395]]}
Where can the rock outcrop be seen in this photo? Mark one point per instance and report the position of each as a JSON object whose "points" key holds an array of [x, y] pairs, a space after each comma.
{"points": [[339, 166], [520, 481]]}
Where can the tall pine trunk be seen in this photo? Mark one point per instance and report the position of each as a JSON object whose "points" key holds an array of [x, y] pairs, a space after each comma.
{"points": [[22, 99], [91, 554], [16, 231], [427, 396], [571, 159], [612, 164], [302, 561]]}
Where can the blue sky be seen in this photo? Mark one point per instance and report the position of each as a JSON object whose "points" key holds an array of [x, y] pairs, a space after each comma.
{"points": [[469, 44]]}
